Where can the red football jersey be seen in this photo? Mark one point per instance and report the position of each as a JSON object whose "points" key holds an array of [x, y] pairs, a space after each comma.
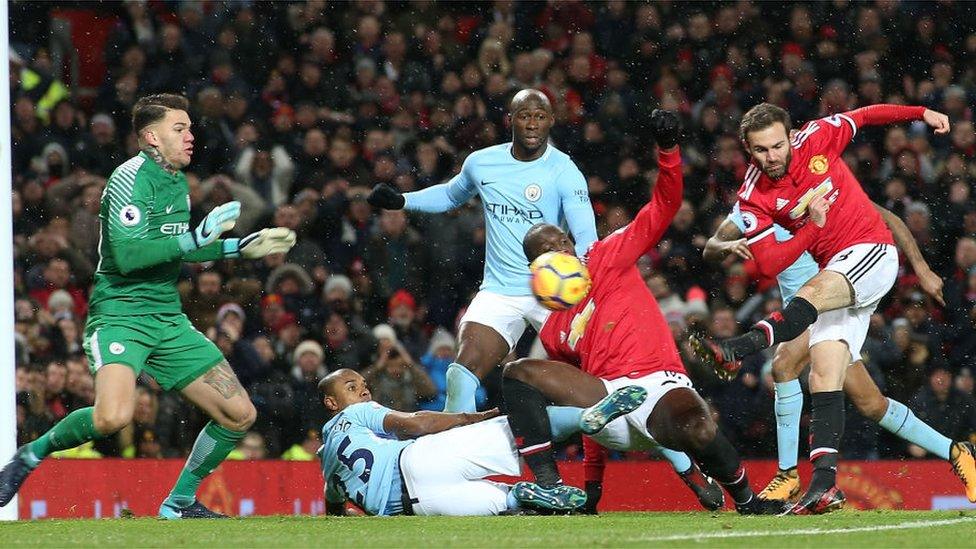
{"points": [[618, 330], [816, 169]]}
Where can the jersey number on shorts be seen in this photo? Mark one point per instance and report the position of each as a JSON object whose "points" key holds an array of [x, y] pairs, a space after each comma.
{"points": [[350, 461]]}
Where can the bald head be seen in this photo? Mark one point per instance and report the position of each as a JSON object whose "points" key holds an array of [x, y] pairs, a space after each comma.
{"points": [[542, 238], [531, 115], [530, 98], [329, 384]]}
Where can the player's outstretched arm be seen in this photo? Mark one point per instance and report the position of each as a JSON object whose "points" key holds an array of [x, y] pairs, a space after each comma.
{"points": [[129, 233], [930, 282], [653, 219], [433, 199], [726, 241], [405, 425], [874, 115]]}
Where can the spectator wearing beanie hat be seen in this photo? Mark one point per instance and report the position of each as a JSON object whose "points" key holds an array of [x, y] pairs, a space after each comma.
{"points": [[338, 297], [402, 311], [308, 368]]}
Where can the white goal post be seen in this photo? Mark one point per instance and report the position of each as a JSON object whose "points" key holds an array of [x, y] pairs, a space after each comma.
{"points": [[8, 412]]}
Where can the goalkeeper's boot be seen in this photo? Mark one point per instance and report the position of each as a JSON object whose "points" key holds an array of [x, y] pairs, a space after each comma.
{"points": [[620, 402], [715, 355], [785, 485], [710, 495], [962, 456], [195, 510], [13, 475], [556, 498], [818, 502], [757, 506]]}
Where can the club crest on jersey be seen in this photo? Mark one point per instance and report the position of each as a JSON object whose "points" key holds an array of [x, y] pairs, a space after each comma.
{"points": [[130, 216], [533, 193], [818, 165]]}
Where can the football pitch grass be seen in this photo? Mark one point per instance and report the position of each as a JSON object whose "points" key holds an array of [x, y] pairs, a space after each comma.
{"points": [[841, 529]]}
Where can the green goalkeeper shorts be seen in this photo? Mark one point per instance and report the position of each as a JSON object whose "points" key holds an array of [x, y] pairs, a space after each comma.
{"points": [[165, 346]]}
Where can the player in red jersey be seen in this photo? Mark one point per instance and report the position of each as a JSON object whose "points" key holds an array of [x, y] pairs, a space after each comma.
{"points": [[618, 337], [794, 181]]}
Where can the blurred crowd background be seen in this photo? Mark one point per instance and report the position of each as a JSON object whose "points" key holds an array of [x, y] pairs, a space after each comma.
{"points": [[299, 108]]}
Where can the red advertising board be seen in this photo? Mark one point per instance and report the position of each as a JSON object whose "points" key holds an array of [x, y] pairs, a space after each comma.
{"points": [[103, 488]]}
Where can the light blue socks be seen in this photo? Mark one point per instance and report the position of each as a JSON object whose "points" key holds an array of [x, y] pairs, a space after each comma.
{"points": [[903, 423], [679, 460], [788, 406], [462, 385], [563, 421]]}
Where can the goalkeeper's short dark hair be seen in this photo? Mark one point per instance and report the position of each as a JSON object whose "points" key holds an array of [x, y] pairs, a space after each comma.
{"points": [[152, 108]]}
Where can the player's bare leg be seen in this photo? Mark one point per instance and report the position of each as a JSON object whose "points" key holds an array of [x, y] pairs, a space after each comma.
{"points": [[788, 362], [681, 420], [480, 349], [900, 421], [115, 394], [218, 393], [829, 362], [826, 291], [565, 385]]}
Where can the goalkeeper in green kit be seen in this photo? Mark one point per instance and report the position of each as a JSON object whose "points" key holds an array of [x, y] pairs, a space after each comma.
{"points": [[136, 323]]}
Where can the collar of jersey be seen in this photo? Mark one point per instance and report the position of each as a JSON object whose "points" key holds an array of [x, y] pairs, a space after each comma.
{"points": [[544, 156]]}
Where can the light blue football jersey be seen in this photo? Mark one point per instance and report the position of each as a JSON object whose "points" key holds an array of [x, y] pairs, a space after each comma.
{"points": [[361, 461], [796, 275], [515, 196]]}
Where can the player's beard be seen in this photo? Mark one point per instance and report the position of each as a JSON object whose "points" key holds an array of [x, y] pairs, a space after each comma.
{"points": [[781, 169]]}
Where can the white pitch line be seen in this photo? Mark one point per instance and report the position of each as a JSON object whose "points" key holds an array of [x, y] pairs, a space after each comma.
{"points": [[808, 531]]}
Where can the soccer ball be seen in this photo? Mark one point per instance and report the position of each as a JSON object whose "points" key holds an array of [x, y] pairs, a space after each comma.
{"points": [[559, 280]]}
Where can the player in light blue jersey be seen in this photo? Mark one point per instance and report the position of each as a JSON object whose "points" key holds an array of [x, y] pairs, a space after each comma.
{"points": [[369, 454], [522, 183], [793, 356]]}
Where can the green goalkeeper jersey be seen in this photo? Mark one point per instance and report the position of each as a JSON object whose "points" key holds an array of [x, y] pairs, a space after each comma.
{"points": [[144, 209]]}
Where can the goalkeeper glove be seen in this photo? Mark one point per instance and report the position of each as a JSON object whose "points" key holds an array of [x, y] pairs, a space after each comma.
{"points": [[264, 242], [666, 128], [220, 220], [386, 197]]}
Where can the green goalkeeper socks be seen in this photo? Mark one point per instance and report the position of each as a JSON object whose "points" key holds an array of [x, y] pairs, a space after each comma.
{"points": [[75, 429], [210, 449]]}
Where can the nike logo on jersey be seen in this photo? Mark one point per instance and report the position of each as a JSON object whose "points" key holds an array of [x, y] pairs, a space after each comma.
{"points": [[486, 183], [781, 203], [169, 209]]}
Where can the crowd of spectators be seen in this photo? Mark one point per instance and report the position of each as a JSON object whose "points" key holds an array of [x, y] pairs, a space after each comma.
{"points": [[298, 109]]}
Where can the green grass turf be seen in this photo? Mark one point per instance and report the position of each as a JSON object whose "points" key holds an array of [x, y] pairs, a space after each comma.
{"points": [[893, 529]]}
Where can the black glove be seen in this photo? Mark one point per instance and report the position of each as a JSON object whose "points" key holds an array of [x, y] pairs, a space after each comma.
{"points": [[594, 491], [666, 127], [386, 197]]}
